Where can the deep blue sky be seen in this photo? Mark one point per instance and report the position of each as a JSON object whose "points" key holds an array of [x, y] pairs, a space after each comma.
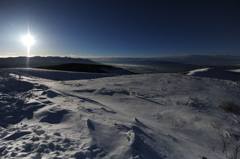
{"points": [[120, 28]]}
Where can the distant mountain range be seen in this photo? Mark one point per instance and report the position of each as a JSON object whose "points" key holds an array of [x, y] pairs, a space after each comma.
{"points": [[211, 59], [40, 61], [173, 63]]}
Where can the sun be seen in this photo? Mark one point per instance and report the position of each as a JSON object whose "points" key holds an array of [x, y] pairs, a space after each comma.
{"points": [[28, 40]]}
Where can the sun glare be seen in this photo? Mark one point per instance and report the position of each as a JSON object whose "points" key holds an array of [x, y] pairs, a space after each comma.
{"points": [[28, 40]]}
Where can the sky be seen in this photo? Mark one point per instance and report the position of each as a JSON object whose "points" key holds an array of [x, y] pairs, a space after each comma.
{"points": [[120, 28]]}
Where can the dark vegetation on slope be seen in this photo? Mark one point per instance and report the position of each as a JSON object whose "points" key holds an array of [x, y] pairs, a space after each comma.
{"points": [[77, 67], [60, 63]]}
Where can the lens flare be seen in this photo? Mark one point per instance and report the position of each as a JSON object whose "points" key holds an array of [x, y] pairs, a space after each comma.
{"points": [[28, 40]]}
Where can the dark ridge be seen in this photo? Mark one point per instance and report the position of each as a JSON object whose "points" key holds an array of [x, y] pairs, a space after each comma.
{"points": [[76, 67], [37, 61], [168, 66]]}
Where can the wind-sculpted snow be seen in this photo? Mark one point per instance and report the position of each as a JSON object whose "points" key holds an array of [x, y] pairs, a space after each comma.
{"points": [[150, 116], [14, 100], [10, 84]]}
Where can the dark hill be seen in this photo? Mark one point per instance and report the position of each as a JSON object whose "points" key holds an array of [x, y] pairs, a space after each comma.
{"points": [[40, 61], [93, 68]]}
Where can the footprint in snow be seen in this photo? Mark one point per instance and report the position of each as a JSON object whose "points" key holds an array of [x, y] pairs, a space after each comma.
{"points": [[54, 116], [109, 111], [17, 135], [90, 125]]}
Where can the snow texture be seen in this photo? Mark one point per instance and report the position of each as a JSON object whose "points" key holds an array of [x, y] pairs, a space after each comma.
{"points": [[145, 116]]}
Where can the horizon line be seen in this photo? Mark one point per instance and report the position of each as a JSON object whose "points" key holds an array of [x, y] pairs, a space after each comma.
{"points": [[159, 56]]}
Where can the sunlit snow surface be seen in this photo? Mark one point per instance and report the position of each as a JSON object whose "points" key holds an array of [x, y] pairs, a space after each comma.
{"points": [[148, 116], [236, 70]]}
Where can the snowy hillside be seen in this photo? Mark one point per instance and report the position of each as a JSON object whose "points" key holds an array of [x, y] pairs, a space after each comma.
{"points": [[236, 70], [233, 75], [147, 116]]}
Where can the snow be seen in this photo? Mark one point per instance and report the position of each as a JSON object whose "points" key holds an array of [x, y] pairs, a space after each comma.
{"points": [[215, 73], [61, 75], [236, 70], [145, 116]]}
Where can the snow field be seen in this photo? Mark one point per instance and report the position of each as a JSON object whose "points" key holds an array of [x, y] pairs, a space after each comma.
{"points": [[149, 116]]}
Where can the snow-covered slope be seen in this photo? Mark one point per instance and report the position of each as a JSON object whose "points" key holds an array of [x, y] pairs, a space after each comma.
{"points": [[215, 73], [236, 70], [149, 116], [57, 75]]}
